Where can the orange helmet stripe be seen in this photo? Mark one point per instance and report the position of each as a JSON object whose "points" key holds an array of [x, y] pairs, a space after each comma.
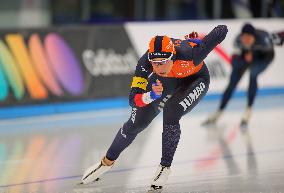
{"points": [[167, 44], [161, 44], [152, 44]]}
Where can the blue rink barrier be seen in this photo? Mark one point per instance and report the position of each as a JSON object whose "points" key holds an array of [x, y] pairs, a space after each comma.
{"points": [[120, 102]]}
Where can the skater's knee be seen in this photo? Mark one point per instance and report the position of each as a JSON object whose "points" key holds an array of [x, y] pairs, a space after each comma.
{"points": [[171, 116], [134, 127], [171, 120], [253, 75]]}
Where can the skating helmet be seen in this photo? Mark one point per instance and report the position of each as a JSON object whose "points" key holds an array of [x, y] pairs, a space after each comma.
{"points": [[161, 47]]}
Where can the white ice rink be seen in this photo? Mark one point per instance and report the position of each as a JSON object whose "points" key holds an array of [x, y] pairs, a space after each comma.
{"points": [[48, 154]]}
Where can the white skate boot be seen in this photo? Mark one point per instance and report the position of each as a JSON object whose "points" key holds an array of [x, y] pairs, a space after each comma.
{"points": [[93, 173], [211, 120], [160, 179], [245, 119]]}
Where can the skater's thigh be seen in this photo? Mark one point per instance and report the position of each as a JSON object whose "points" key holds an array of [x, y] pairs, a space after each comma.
{"points": [[258, 67], [185, 99], [239, 66], [140, 118]]}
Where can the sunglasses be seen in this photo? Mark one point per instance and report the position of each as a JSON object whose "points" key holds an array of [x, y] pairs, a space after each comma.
{"points": [[160, 62]]}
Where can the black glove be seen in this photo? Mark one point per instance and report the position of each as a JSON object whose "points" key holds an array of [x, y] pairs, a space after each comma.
{"points": [[221, 32]]}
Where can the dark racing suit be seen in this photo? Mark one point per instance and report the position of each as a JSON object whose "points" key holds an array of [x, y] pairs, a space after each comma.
{"points": [[263, 54], [184, 87]]}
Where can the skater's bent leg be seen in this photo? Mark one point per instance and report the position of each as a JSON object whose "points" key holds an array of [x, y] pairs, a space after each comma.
{"points": [[257, 68], [170, 140], [252, 90], [121, 141], [182, 102], [140, 118], [238, 70]]}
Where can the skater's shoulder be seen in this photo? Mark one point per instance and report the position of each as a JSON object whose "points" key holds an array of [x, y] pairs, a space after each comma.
{"points": [[261, 32], [144, 61], [143, 67], [184, 50], [144, 58], [263, 38]]}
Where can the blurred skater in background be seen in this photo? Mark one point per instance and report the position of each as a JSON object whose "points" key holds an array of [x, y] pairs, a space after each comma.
{"points": [[255, 53], [171, 76]]}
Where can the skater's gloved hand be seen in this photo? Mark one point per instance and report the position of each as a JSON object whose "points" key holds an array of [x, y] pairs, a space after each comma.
{"points": [[221, 32], [146, 98], [193, 37], [157, 90], [248, 57]]}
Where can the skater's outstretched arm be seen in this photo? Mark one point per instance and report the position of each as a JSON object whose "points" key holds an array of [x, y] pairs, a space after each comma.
{"points": [[209, 42], [264, 43]]}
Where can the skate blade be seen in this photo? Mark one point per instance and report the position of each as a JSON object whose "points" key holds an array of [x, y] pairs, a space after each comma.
{"points": [[96, 180], [244, 129], [155, 189]]}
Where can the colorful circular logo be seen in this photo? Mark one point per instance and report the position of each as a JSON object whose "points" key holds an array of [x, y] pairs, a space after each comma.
{"points": [[39, 67]]}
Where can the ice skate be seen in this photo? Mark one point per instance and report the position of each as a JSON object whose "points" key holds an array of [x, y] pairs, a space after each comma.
{"points": [[93, 173], [243, 126], [208, 122], [211, 121], [245, 120], [160, 179]]}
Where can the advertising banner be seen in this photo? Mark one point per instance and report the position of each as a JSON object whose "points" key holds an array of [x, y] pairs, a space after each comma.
{"points": [[64, 64]]}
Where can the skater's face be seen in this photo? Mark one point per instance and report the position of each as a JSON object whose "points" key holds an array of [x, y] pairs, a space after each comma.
{"points": [[162, 66], [247, 40]]}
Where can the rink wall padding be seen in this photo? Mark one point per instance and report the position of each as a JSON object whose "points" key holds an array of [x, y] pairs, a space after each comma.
{"points": [[79, 68]]}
